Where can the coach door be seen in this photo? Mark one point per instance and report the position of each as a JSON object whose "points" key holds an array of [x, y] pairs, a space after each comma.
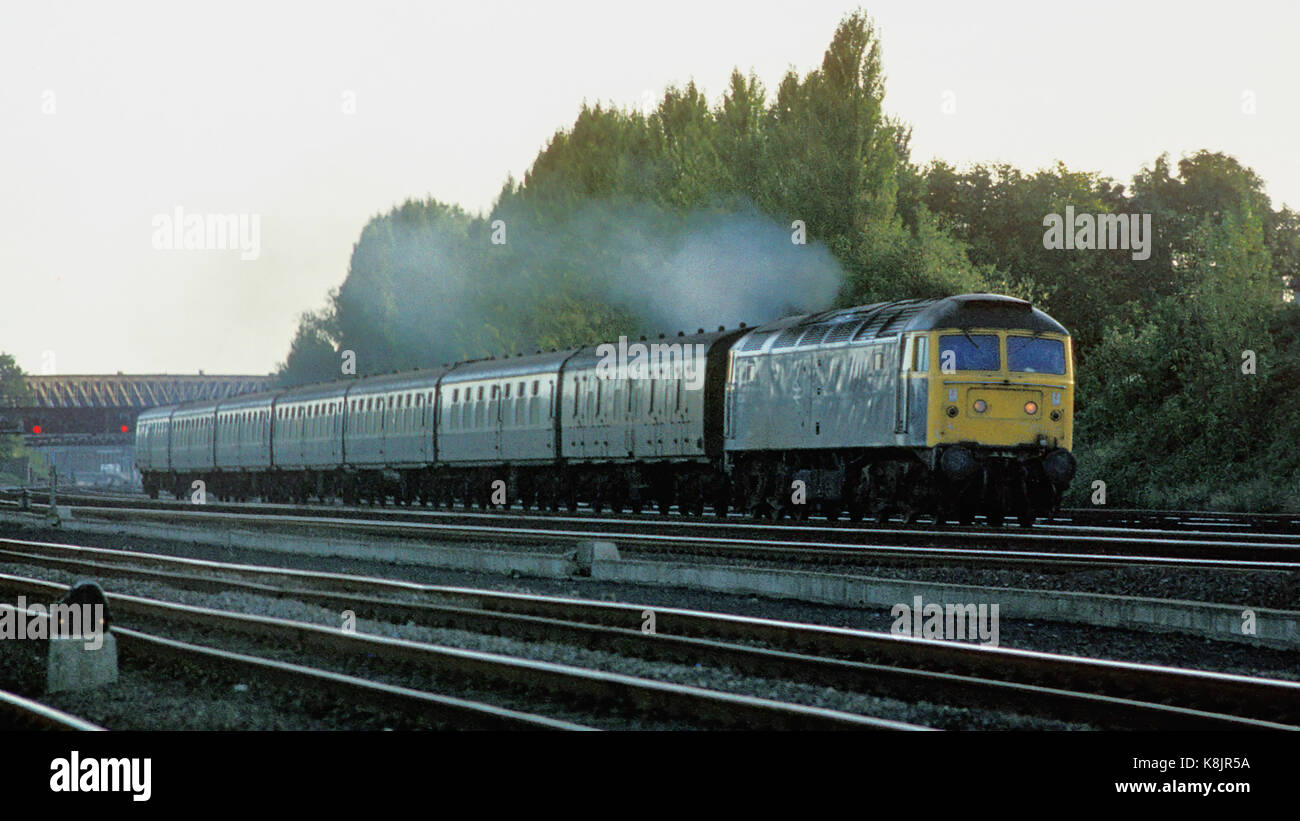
{"points": [[494, 418], [902, 387]]}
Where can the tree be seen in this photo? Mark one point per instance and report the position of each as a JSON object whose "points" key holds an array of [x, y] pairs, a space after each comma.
{"points": [[14, 393], [312, 356]]}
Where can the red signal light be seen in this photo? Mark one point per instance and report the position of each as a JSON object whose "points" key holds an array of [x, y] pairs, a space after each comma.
{"points": [[124, 428], [36, 428]]}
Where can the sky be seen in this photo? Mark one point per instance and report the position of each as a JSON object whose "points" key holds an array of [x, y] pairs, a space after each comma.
{"points": [[309, 118]]}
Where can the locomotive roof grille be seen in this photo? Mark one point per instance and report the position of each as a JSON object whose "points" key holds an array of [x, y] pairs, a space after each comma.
{"points": [[899, 319], [789, 337], [814, 335], [843, 332], [756, 340], [871, 328]]}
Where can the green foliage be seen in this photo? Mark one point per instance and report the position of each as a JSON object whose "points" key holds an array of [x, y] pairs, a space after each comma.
{"points": [[14, 393], [13, 385], [1171, 414]]}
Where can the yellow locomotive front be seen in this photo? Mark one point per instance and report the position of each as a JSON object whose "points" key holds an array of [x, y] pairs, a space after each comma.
{"points": [[1001, 388], [1000, 418]]}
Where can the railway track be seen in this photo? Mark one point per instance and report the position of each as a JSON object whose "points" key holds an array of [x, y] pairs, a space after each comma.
{"points": [[19, 713], [687, 705], [812, 543], [1206, 522], [460, 713], [1267, 523], [1100, 693]]}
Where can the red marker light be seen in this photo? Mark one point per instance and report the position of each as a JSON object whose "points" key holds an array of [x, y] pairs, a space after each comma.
{"points": [[124, 428], [36, 428]]}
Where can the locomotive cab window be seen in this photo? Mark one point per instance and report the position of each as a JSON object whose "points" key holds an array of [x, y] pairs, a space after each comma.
{"points": [[1028, 354], [969, 352]]}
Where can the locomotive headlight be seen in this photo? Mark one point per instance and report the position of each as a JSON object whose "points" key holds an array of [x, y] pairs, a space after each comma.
{"points": [[952, 411], [1031, 408], [980, 406], [1056, 416]]}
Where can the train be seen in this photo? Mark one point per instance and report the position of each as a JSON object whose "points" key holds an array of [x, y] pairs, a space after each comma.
{"points": [[952, 407]]}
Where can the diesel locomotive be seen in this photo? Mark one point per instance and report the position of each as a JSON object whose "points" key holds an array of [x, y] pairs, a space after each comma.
{"points": [[950, 407]]}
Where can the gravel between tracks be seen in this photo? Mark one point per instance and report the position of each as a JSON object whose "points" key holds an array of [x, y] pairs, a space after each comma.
{"points": [[1251, 589]]}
